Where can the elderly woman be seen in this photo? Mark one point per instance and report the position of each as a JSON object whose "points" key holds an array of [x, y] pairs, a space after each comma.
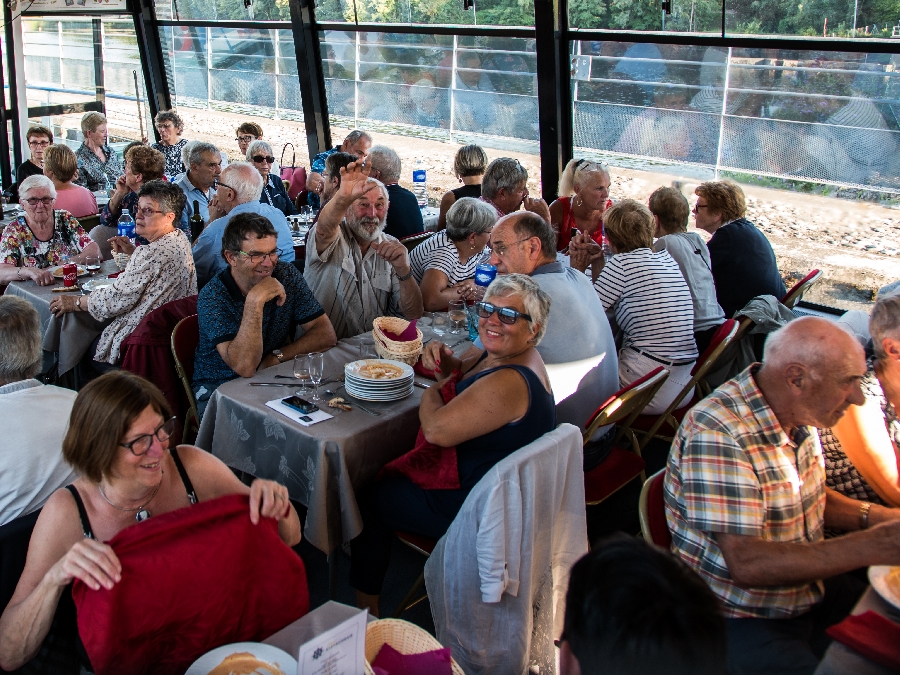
{"points": [[42, 238], [649, 297], [157, 273], [274, 192], [98, 164], [118, 440], [444, 264], [583, 198], [142, 164], [39, 138], [469, 166], [245, 134], [60, 166], [170, 127], [862, 451], [503, 402]]}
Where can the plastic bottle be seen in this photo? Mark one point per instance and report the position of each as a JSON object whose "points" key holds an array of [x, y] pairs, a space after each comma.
{"points": [[420, 190], [485, 273], [126, 225]]}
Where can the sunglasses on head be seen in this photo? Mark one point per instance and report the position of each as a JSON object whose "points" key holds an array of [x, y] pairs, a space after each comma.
{"points": [[507, 315], [259, 159]]}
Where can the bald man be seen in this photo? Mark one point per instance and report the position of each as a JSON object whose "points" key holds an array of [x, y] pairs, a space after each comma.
{"points": [[747, 505]]}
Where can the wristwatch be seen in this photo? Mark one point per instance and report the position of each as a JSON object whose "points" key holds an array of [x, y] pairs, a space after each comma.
{"points": [[277, 353], [78, 303]]}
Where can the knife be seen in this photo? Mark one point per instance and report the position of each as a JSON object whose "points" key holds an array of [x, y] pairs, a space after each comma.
{"points": [[272, 384]]}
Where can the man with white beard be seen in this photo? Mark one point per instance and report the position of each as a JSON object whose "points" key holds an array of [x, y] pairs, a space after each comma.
{"points": [[357, 272]]}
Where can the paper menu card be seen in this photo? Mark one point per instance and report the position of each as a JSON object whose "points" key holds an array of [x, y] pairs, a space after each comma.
{"points": [[330, 640]]}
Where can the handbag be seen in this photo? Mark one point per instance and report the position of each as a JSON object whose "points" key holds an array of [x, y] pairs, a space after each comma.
{"points": [[295, 176]]}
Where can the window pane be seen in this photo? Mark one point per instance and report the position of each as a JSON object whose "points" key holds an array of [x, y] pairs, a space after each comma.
{"points": [[222, 10], [845, 18], [488, 12], [692, 16]]}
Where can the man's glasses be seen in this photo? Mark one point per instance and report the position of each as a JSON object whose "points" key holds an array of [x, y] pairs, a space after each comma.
{"points": [[38, 144], [146, 212], [140, 445], [259, 159], [697, 207], [34, 201], [245, 139], [256, 258], [164, 127], [502, 249], [217, 184], [507, 315]]}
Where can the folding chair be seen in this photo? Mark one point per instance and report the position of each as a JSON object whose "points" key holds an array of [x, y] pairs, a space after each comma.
{"points": [[793, 296], [425, 546], [650, 425], [652, 511], [414, 240], [185, 338], [621, 466]]}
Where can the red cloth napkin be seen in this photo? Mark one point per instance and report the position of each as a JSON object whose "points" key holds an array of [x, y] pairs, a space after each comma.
{"points": [[872, 635], [423, 371], [392, 662], [192, 580], [408, 335], [113, 275], [429, 466]]}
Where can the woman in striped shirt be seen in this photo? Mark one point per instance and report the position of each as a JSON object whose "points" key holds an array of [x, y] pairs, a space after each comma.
{"points": [[649, 297], [444, 264]]}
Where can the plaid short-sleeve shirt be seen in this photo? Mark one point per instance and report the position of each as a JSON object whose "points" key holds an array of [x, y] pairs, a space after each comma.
{"points": [[734, 470]]}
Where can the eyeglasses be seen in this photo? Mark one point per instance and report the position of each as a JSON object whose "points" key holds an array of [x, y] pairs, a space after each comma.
{"points": [[506, 315], [146, 212], [140, 445], [245, 139], [697, 207], [163, 127], [256, 258], [502, 249], [217, 184], [259, 159], [34, 201], [38, 144]]}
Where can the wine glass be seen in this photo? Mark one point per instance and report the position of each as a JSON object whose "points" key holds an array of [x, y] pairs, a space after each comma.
{"points": [[316, 362], [440, 323], [457, 316], [306, 214], [301, 372]]}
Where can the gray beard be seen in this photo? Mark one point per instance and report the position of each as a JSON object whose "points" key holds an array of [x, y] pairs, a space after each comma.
{"points": [[357, 228]]}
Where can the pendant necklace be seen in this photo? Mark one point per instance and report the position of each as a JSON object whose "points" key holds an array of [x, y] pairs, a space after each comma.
{"points": [[142, 512]]}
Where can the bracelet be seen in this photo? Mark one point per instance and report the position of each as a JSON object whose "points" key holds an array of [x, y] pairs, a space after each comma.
{"points": [[19, 273], [405, 276], [864, 509]]}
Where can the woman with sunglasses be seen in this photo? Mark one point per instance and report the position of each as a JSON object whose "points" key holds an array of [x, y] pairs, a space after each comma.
{"points": [[158, 272], [503, 402], [274, 192], [42, 238], [583, 198], [118, 440]]}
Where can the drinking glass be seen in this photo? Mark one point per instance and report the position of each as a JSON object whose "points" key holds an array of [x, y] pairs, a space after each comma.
{"points": [[301, 372], [92, 264], [427, 319], [316, 362], [367, 349], [441, 323], [306, 214], [457, 316]]}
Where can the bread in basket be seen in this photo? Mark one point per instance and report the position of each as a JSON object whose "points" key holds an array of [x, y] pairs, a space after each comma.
{"points": [[407, 352]]}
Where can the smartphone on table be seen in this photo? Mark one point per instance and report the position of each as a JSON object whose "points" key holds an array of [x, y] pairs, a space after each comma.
{"points": [[301, 405]]}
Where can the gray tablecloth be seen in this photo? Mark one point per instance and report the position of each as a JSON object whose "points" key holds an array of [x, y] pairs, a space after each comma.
{"points": [[322, 465], [430, 217], [840, 659]]}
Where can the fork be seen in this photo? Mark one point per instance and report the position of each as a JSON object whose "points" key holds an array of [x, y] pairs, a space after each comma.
{"points": [[361, 407]]}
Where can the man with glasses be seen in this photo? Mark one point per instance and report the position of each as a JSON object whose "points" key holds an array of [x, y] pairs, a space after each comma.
{"points": [[39, 139], [198, 183], [249, 312], [238, 192]]}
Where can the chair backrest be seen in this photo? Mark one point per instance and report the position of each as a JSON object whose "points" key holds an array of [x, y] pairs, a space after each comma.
{"points": [[627, 403], [652, 511], [414, 240], [88, 223], [793, 296], [721, 340], [185, 338]]}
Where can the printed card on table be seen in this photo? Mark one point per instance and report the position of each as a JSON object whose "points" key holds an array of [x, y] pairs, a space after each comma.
{"points": [[339, 651]]}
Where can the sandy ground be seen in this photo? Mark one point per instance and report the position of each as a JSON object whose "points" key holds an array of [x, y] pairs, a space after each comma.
{"points": [[856, 244]]}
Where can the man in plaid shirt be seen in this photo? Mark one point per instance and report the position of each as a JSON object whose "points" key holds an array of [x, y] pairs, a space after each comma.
{"points": [[747, 505]]}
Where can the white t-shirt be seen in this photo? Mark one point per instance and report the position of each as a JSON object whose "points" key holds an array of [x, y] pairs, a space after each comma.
{"points": [[692, 256], [439, 253], [32, 468]]}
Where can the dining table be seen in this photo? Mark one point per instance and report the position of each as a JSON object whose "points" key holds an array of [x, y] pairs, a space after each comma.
{"points": [[323, 464]]}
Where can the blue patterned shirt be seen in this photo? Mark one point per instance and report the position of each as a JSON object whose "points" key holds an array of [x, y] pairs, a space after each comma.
{"points": [[318, 166], [220, 308]]}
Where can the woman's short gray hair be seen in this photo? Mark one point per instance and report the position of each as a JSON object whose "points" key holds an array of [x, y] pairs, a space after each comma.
{"points": [[35, 182], [258, 146], [535, 299], [20, 335], [502, 173], [469, 216], [885, 323]]}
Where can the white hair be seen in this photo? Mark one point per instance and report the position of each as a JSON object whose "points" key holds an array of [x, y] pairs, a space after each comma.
{"points": [[535, 299], [386, 161], [578, 172], [35, 182], [258, 146], [245, 179]]}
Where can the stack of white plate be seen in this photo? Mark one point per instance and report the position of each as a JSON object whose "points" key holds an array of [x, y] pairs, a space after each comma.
{"points": [[378, 379]]}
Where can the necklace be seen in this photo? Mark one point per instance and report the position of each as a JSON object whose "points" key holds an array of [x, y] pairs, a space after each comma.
{"points": [[142, 513]]}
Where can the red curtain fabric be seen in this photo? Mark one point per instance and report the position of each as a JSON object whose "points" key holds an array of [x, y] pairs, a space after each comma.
{"points": [[192, 580]]}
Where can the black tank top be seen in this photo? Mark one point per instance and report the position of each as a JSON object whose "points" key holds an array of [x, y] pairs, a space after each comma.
{"points": [[467, 191]]}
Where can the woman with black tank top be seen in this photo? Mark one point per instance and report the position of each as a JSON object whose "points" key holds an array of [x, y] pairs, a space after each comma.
{"points": [[469, 166], [118, 439], [503, 402]]}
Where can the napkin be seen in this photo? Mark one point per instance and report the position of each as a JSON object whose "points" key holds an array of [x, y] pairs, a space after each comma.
{"points": [[872, 635], [113, 275], [392, 662], [408, 335]]}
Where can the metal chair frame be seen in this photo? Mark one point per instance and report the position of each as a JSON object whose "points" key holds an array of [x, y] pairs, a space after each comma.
{"points": [[192, 417]]}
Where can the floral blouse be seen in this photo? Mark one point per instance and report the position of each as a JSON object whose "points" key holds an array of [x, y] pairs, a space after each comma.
{"points": [[94, 174], [172, 153], [19, 246]]}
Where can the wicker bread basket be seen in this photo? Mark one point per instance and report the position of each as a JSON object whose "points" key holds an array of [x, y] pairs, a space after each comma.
{"points": [[407, 352], [405, 637]]}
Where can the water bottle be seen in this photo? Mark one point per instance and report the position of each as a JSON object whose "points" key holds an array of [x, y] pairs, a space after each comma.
{"points": [[419, 187], [126, 225], [485, 273]]}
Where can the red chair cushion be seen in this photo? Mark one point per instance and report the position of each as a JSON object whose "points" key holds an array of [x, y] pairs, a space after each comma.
{"points": [[420, 541], [656, 513], [619, 467]]}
